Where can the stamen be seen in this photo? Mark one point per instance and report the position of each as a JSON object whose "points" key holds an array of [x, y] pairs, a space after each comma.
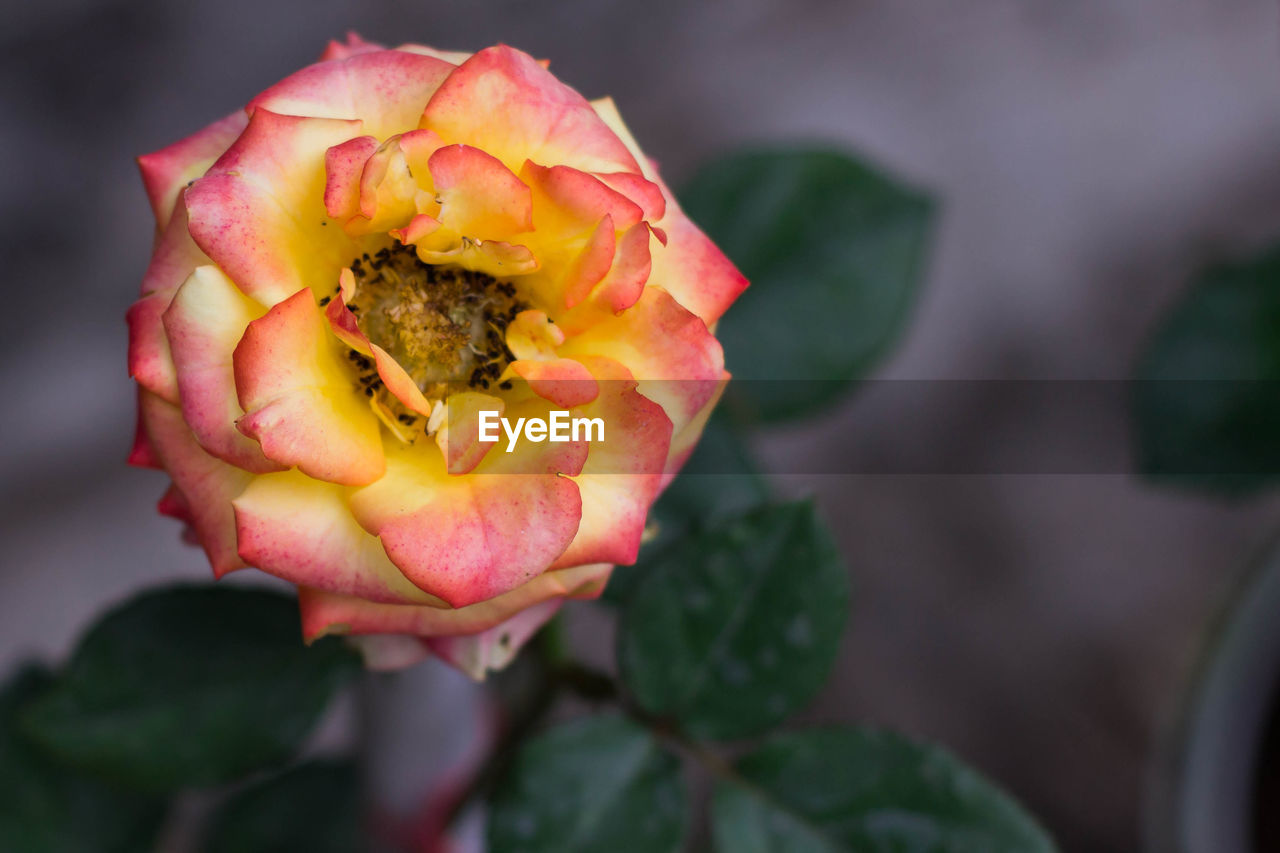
{"points": [[443, 325]]}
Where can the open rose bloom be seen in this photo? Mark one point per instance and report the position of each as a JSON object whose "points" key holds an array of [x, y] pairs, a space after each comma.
{"points": [[348, 272]]}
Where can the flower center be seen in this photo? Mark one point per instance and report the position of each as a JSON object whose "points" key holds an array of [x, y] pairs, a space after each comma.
{"points": [[443, 324]]}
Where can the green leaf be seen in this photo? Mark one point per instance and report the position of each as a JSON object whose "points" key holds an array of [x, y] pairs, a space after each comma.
{"points": [[835, 253], [597, 785], [1207, 403], [189, 686], [846, 790], [737, 626], [46, 808], [719, 480], [312, 808]]}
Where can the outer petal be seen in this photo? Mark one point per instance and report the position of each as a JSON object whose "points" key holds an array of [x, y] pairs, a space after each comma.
{"points": [[326, 613], [207, 485], [692, 269], [503, 101], [259, 211], [684, 442], [204, 323], [300, 400], [150, 361], [353, 45], [467, 539], [622, 474], [492, 650], [301, 530], [678, 362], [384, 89], [143, 454], [167, 171], [175, 257]]}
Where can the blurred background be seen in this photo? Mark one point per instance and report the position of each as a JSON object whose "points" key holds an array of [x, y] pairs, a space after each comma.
{"points": [[1089, 157]]}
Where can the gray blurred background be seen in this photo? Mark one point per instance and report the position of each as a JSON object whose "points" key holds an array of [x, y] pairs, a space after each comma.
{"points": [[1090, 156]]}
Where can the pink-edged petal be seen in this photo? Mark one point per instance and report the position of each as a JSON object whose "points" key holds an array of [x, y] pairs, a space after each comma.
{"points": [[353, 45], [453, 57], [143, 453], [694, 271], [346, 328], [259, 211], [684, 441], [467, 539], [459, 437], [173, 505], [668, 349], [418, 228], [691, 268], [491, 650], [418, 146], [479, 197], [562, 381], [175, 257], [204, 323], [592, 263], [167, 171], [503, 101], [301, 530], [580, 196], [640, 190], [299, 399], [623, 472], [384, 89], [630, 271], [207, 485], [325, 613], [388, 191], [150, 362], [343, 165]]}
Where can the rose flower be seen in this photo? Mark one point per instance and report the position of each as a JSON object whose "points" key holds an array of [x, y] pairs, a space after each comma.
{"points": [[348, 272]]}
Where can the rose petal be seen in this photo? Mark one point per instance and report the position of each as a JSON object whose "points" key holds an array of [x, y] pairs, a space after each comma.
{"points": [[352, 46], [167, 171], [301, 530], [669, 350], [623, 472], [491, 650], [386, 90], [459, 437], [204, 323], [562, 381], [327, 613], [503, 101], [300, 400], [259, 211], [343, 165], [467, 539], [694, 271], [479, 197], [208, 485]]}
